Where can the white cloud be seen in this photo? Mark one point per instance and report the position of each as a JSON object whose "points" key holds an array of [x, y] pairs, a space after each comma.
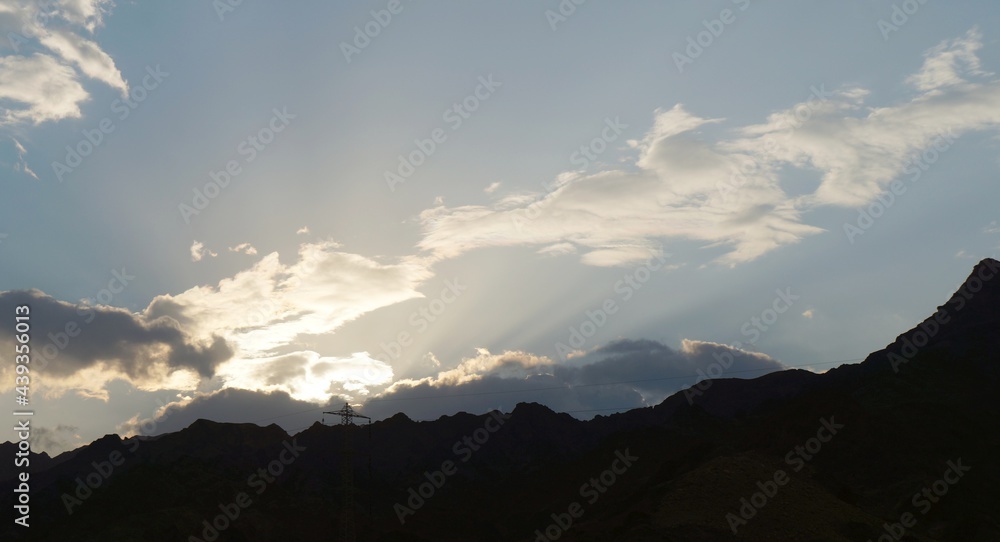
{"points": [[44, 89], [308, 376], [266, 312], [198, 251], [302, 231], [731, 191], [808, 313], [87, 56], [492, 187], [252, 331], [945, 63], [510, 364], [21, 164], [620, 217], [244, 248], [45, 85], [558, 249], [86, 13]]}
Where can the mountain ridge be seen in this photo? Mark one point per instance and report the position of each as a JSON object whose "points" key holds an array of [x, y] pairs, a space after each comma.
{"points": [[907, 411]]}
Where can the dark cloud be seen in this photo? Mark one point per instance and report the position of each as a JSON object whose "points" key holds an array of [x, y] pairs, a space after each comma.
{"points": [[427, 402], [239, 406], [621, 374], [67, 338], [52, 439]]}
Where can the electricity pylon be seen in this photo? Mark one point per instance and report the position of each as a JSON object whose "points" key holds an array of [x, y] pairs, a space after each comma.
{"points": [[347, 415]]}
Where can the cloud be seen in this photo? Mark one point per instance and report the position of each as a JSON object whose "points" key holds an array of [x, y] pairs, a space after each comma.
{"points": [[244, 248], [308, 376], [620, 217], [45, 89], [86, 13], [46, 84], [621, 374], [269, 311], [303, 230], [82, 346], [808, 313], [492, 187], [945, 64], [233, 406], [860, 149], [54, 440], [21, 165], [198, 251], [730, 190], [87, 56], [252, 330]]}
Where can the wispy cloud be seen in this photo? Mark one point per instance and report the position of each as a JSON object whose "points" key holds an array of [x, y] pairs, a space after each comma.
{"points": [[45, 85], [244, 248], [199, 252], [681, 186], [22, 165]]}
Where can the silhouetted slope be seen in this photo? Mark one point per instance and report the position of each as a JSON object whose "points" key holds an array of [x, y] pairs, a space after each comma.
{"points": [[901, 418]]}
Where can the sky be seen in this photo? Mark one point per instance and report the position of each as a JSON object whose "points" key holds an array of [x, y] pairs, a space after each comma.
{"points": [[257, 211]]}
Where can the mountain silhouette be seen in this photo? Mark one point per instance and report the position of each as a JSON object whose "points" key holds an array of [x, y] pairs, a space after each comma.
{"points": [[899, 447]]}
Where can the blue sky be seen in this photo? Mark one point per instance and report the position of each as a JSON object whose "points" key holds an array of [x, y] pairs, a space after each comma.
{"points": [[438, 207]]}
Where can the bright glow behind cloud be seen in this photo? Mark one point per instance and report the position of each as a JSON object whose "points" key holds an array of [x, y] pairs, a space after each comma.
{"points": [[266, 310]]}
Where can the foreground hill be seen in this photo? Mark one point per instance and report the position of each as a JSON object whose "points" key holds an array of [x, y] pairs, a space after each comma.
{"points": [[902, 447]]}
